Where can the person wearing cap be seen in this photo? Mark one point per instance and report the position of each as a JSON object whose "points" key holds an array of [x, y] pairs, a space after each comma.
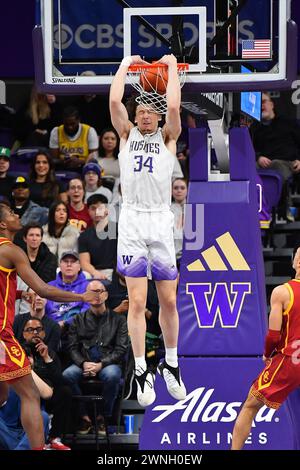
{"points": [[93, 182], [6, 181], [70, 278], [73, 142], [27, 210]]}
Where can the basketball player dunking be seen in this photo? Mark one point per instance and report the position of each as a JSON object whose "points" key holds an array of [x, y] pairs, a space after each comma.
{"points": [[145, 243], [15, 368]]}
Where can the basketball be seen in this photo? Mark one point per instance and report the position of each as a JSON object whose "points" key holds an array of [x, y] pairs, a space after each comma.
{"points": [[155, 79]]}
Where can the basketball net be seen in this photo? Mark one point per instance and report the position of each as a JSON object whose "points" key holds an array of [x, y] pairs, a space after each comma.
{"points": [[137, 74]]}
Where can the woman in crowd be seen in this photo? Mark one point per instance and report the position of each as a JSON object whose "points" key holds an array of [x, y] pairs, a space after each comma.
{"points": [[108, 153], [179, 194], [44, 187], [59, 235]]}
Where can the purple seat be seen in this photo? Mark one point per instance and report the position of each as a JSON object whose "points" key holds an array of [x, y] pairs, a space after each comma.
{"points": [[66, 176], [272, 187], [21, 159]]}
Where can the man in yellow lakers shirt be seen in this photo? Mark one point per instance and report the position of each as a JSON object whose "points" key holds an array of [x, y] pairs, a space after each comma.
{"points": [[73, 143]]}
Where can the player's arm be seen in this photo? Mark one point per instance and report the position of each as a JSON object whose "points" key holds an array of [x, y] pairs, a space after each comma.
{"points": [[279, 301], [118, 112], [172, 128], [15, 256], [44, 389]]}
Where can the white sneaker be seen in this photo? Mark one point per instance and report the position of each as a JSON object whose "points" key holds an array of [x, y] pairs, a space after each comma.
{"points": [[145, 388], [173, 380]]}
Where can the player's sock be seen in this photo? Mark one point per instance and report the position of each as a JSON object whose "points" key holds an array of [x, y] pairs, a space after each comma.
{"points": [[140, 365], [171, 357]]}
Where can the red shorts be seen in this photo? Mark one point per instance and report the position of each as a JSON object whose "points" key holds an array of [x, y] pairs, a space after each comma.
{"points": [[13, 360], [278, 379]]}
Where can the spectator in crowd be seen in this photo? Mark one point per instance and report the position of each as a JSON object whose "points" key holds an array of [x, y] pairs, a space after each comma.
{"points": [[70, 278], [59, 234], [41, 260], [27, 210], [108, 152], [93, 109], [73, 142], [179, 194], [12, 434], [78, 211], [45, 363], [98, 244], [276, 141], [93, 181], [34, 122], [6, 181], [98, 342], [37, 310], [44, 186]]}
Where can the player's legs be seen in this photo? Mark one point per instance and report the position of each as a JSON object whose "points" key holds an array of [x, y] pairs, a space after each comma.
{"points": [[3, 392], [169, 323], [244, 421], [168, 315], [31, 416], [137, 296]]}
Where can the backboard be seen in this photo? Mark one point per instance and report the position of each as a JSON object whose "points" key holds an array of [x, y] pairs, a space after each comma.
{"points": [[218, 38]]}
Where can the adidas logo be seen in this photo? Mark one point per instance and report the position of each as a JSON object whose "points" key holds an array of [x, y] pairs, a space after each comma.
{"points": [[215, 259]]}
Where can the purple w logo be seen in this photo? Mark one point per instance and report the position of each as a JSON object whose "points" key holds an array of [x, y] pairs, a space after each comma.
{"points": [[222, 303], [127, 259]]}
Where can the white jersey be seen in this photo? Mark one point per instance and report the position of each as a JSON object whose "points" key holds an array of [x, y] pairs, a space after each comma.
{"points": [[146, 167]]}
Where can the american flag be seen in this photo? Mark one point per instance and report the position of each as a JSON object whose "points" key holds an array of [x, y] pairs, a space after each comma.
{"points": [[256, 49]]}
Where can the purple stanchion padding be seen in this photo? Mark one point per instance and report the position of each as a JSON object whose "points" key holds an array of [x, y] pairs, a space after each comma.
{"points": [[221, 299], [216, 389], [198, 148]]}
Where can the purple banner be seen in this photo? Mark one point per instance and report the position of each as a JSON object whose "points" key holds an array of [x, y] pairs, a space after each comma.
{"points": [[216, 389]]}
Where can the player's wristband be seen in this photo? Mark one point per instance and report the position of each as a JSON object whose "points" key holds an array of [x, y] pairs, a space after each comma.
{"points": [[272, 340], [126, 62]]}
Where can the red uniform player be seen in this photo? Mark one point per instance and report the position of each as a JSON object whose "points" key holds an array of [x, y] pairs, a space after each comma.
{"points": [[14, 366], [281, 374]]}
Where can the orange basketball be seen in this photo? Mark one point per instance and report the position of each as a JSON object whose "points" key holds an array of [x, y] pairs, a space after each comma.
{"points": [[155, 79]]}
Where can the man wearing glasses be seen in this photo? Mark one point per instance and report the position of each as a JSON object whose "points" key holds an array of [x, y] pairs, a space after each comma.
{"points": [[46, 365]]}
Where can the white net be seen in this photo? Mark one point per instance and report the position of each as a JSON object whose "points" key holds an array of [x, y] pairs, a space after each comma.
{"points": [[151, 83]]}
